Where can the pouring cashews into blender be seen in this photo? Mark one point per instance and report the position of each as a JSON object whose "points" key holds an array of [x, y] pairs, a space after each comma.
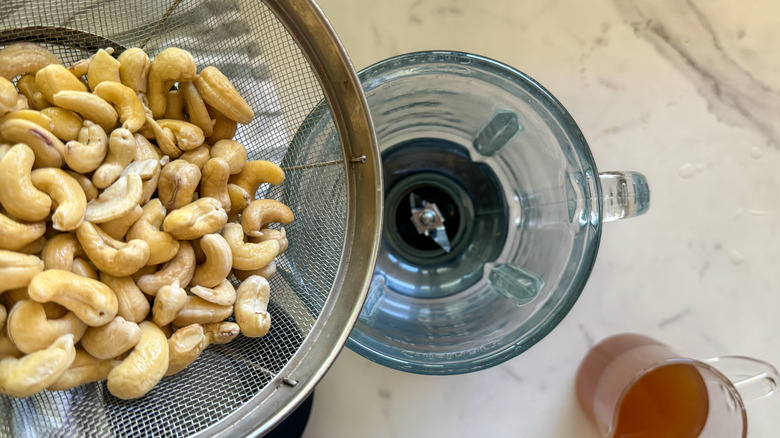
{"points": [[128, 213]]}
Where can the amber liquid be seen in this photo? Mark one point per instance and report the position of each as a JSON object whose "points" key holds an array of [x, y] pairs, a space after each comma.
{"points": [[670, 401]]}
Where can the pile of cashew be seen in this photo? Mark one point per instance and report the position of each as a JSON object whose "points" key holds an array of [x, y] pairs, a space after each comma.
{"points": [[130, 236]]}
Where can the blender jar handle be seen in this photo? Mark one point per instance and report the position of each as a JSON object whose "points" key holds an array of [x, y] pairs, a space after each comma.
{"points": [[624, 194], [753, 378]]}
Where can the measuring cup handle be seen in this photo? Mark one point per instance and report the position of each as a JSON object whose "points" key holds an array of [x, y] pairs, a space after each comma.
{"points": [[753, 378], [624, 194]]}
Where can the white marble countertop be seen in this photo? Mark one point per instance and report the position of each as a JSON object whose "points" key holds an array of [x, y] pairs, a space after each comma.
{"points": [[685, 92]]}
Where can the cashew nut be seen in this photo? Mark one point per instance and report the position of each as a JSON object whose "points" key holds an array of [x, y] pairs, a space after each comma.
{"points": [[128, 105], [279, 235], [88, 106], [30, 115], [231, 151], [3, 316], [163, 246], [112, 339], [223, 294], [118, 228], [15, 235], [80, 67], [196, 108], [111, 256], [184, 346], [7, 348], [60, 251], [174, 109], [27, 86], [92, 301], [47, 148], [178, 183], [198, 156], [18, 195], [219, 93], [33, 247], [216, 173], [169, 301], [180, 268], [84, 369], [34, 372], [66, 193], [116, 200], [102, 68], [89, 150], [196, 219], [166, 141], [132, 303], [31, 330], [149, 171], [199, 311], [251, 308], [248, 256], [66, 124], [90, 191], [20, 58], [144, 367], [221, 332], [261, 212], [219, 261], [84, 268], [239, 199], [224, 128], [266, 271], [17, 270], [145, 149], [169, 66], [257, 172], [134, 66], [8, 95], [188, 136], [121, 151], [54, 78]]}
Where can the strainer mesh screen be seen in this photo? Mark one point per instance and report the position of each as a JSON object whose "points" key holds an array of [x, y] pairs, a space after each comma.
{"points": [[247, 42]]}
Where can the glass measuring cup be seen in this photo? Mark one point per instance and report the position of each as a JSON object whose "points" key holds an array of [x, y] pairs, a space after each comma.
{"points": [[630, 385]]}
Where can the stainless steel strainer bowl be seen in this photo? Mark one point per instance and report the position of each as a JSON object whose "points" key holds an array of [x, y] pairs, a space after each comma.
{"points": [[287, 62]]}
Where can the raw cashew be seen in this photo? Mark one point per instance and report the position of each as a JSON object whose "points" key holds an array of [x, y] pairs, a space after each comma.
{"points": [[84, 369], [216, 173], [196, 219], [84, 268], [121, 151], [219, 93], [199, 311], [257, 172], [174, 109], [239, 199], [55, 78], [266, 271], [88, 151], [92, 301], [60, 251], [118, 228], [30, 330], [219, 261], [166, 141], [33, 247], [66, 193], [197, 112], [128, 105], [47, 148], [102, 68], [18, 195], [163, 246], [132, 303], [180, 268], [251, 308], [34, 372], [184, 346], [8, 95], [279, 235], [17, 270], [112, 339], [221, 332], [66, 124], [117, 200], [3, 316], [27, 86], [7, 348], [167, 303], [111, 256], [149, 171], [144, 367], [261, 212], [188, 136], [88, 106], [248, 256], [198, 156], [30, 115], [223, 294], [231, 151], [86, 184], [224, 128], [20, 58], [134, 66], [178, 182], [169, 66], [145, 149], [80, 67], [15, 235]]}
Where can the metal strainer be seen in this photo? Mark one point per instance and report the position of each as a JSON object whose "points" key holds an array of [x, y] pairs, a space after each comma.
{"points": [[287, 62]]}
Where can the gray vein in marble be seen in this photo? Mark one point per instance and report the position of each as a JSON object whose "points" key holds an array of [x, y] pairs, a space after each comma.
{"points": [[674, 318], [682, 33]]}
